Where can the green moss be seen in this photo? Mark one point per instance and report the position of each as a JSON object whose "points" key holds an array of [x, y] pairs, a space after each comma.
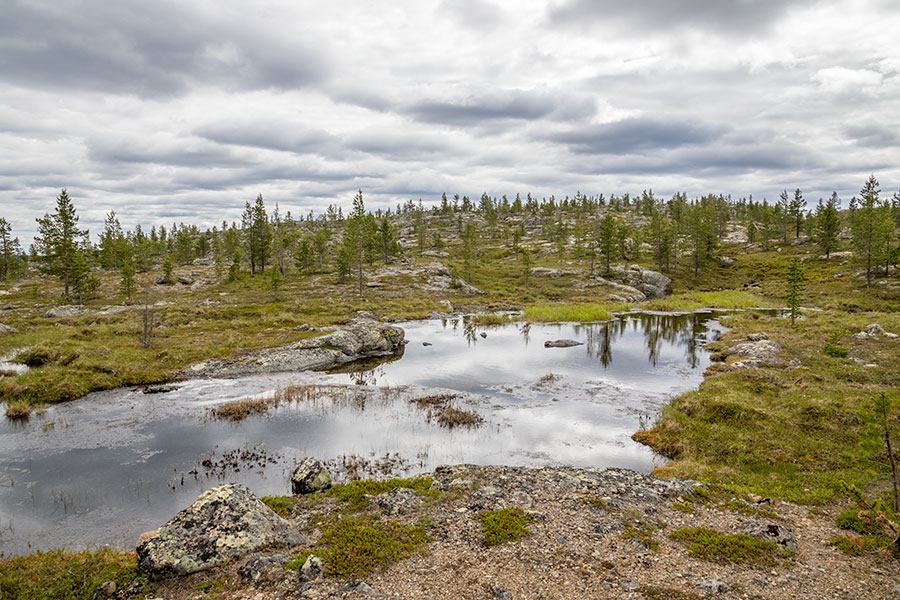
{"points": [[283, 506], [853, 521], [355, 493], [503, 525], [652, 592], [595, 502], [62, 575], [709, 544], [356, 546], [642, 532]]}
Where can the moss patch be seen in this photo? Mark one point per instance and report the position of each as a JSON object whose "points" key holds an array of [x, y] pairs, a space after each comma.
{"points": [[355, 493], [283, 506], [503, 525], [709, 544], [356, 546]]}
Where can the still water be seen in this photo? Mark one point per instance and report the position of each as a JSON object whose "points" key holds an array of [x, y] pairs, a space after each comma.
{"points": [[109, 466]]}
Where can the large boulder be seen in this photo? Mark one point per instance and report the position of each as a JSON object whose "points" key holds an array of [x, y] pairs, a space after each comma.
{"points": [[224, 523], [310, 476], [66, 310], [362, 337]]}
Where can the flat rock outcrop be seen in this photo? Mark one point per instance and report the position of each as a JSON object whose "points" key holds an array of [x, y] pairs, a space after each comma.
{"points": [[362, 337], [224, 523], [755, 351]]}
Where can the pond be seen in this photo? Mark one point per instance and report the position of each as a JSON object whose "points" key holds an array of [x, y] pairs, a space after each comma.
{"points": [[107, 467]]}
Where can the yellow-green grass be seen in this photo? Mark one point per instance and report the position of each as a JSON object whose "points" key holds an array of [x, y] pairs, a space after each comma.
{"points": [[63, 575], [571, 311], [725, 299], [797, 434]]}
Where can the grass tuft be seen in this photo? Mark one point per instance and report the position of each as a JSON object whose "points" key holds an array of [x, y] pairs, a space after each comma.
{"points": [[18, 411]]}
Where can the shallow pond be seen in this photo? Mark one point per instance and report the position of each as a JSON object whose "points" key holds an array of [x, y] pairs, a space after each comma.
{"points": [[105, 468]]}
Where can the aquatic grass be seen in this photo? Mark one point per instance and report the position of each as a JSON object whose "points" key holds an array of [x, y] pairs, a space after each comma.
{"points": [[18, 411], [64, 575], [238, 410], [452, 417], [574, 311], [489, 319]]}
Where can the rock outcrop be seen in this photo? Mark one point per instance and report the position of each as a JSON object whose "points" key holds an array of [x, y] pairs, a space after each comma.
{"points": [[635, 283], [7, 329], [66, 310], [224, 523], [362, 337], [310, 476], [756, 350]]}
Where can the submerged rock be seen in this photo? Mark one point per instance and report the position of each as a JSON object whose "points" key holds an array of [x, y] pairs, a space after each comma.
{"points": [[310, 476], [562, 343], [224, 523]]}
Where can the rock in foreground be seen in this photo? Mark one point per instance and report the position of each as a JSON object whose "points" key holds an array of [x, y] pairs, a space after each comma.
{"points": [[310, 476], [224, 523]]}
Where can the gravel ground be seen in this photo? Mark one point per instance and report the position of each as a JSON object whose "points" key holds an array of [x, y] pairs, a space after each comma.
{"points": [[576, 549]]}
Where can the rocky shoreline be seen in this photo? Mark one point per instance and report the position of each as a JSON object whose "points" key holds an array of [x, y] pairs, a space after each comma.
{"points": [[591, 533]]}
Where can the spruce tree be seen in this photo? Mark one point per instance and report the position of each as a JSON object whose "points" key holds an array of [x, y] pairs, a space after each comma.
{"points": [[828, 224], [57, 242]]}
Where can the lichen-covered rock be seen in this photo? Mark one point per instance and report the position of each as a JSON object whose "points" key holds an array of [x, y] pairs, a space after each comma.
{"points": [[771, 532], [757, 350], [224, 523], [67, 310], [310, 476], [312, 569]]}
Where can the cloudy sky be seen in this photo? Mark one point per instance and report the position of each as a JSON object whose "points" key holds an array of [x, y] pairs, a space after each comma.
{"points": [[171, 111]]}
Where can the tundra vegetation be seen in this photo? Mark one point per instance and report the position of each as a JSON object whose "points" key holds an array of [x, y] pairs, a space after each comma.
{"points": [[805, 430]]}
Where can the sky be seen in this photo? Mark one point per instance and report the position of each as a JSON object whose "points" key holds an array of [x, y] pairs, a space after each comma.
{"points": [[171, 111]]}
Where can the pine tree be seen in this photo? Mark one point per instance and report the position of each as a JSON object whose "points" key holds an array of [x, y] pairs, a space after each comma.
{"points": [[796, 211], [867, 229], [355, 239], [606, 239], [127, 284], [9, 250], [784, 214], [828, 224], [57, 241]]}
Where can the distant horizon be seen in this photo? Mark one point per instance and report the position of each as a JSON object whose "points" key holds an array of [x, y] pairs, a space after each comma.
{"points": [[182, 113]]}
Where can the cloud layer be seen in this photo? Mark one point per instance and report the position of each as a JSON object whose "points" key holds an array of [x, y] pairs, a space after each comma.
{"points": [[171, 111]]}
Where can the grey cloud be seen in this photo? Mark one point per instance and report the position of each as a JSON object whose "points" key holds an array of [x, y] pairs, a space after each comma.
{"points": [[184, 153], [473, 14], [636, 134], [152, 49], [714, 16], [872, 136], [506, 105], [268, 134]]}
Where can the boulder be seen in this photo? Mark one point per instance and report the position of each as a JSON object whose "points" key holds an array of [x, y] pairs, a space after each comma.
{"points": [[185, 280], [224, 523], [7, 329], [548, 272], [771, 532], [310, 476], [362, 337], [562, 343], [207, 262], [67, 310], [312, 569]]}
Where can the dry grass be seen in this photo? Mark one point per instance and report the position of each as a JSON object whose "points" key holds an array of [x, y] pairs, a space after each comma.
{"points": [[18, 411], [452, 417], [238, 410], [433, 400]]}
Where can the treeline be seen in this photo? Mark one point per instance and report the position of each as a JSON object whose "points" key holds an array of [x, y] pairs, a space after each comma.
{"points": [[674, 233]]}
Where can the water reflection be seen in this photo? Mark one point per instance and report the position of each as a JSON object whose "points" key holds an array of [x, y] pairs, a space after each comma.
{"points": [[107, 467]]}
